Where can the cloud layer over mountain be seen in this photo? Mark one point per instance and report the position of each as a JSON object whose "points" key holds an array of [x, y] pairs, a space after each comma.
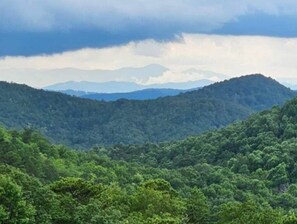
{"points": [[37, 27]]}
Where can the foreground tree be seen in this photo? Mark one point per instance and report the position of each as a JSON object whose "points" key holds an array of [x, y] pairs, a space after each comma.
{"points": [[14, 209]]}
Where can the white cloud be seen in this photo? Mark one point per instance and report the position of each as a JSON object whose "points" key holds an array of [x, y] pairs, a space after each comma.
{"points": [[230, 55]]}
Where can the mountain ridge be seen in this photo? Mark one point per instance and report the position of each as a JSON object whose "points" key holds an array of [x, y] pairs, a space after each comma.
{"points": [[82, 123]]}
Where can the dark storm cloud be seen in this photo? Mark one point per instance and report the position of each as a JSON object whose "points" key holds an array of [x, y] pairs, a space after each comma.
{"points": [[50, 26]]}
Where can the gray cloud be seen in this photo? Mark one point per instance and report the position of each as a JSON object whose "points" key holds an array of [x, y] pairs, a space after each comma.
{"points": [[118, 15], [34, 27]]}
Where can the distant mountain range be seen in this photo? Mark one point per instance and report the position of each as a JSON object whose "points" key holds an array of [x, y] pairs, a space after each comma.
{"points": [[111, 91], [146, 94], [120, 87], [125, 78], [83, 123], [45, 76]]}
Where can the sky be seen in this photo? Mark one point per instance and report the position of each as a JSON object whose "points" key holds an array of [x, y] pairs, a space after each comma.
{"points": [[227, 37]]}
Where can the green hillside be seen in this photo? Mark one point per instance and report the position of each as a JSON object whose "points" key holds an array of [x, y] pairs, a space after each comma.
{"points": [[245, 173], [83, 123]]}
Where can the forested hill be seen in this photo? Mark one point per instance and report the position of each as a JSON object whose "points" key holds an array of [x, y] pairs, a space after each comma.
{"points": [[83, 123], [245, 173], [254, 91]]}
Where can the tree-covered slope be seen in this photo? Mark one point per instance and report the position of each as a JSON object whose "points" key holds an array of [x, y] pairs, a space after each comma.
{"points": [[263, 147], [250, 160], [84, 123], [254, 91], [245, 173]]}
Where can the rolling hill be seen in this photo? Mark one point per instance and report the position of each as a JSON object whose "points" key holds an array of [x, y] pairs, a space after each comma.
{"points": [[83, 123]]}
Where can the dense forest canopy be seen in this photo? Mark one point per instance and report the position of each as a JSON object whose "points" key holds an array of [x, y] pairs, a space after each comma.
{"points": [[83, 123], [244, 173]]}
